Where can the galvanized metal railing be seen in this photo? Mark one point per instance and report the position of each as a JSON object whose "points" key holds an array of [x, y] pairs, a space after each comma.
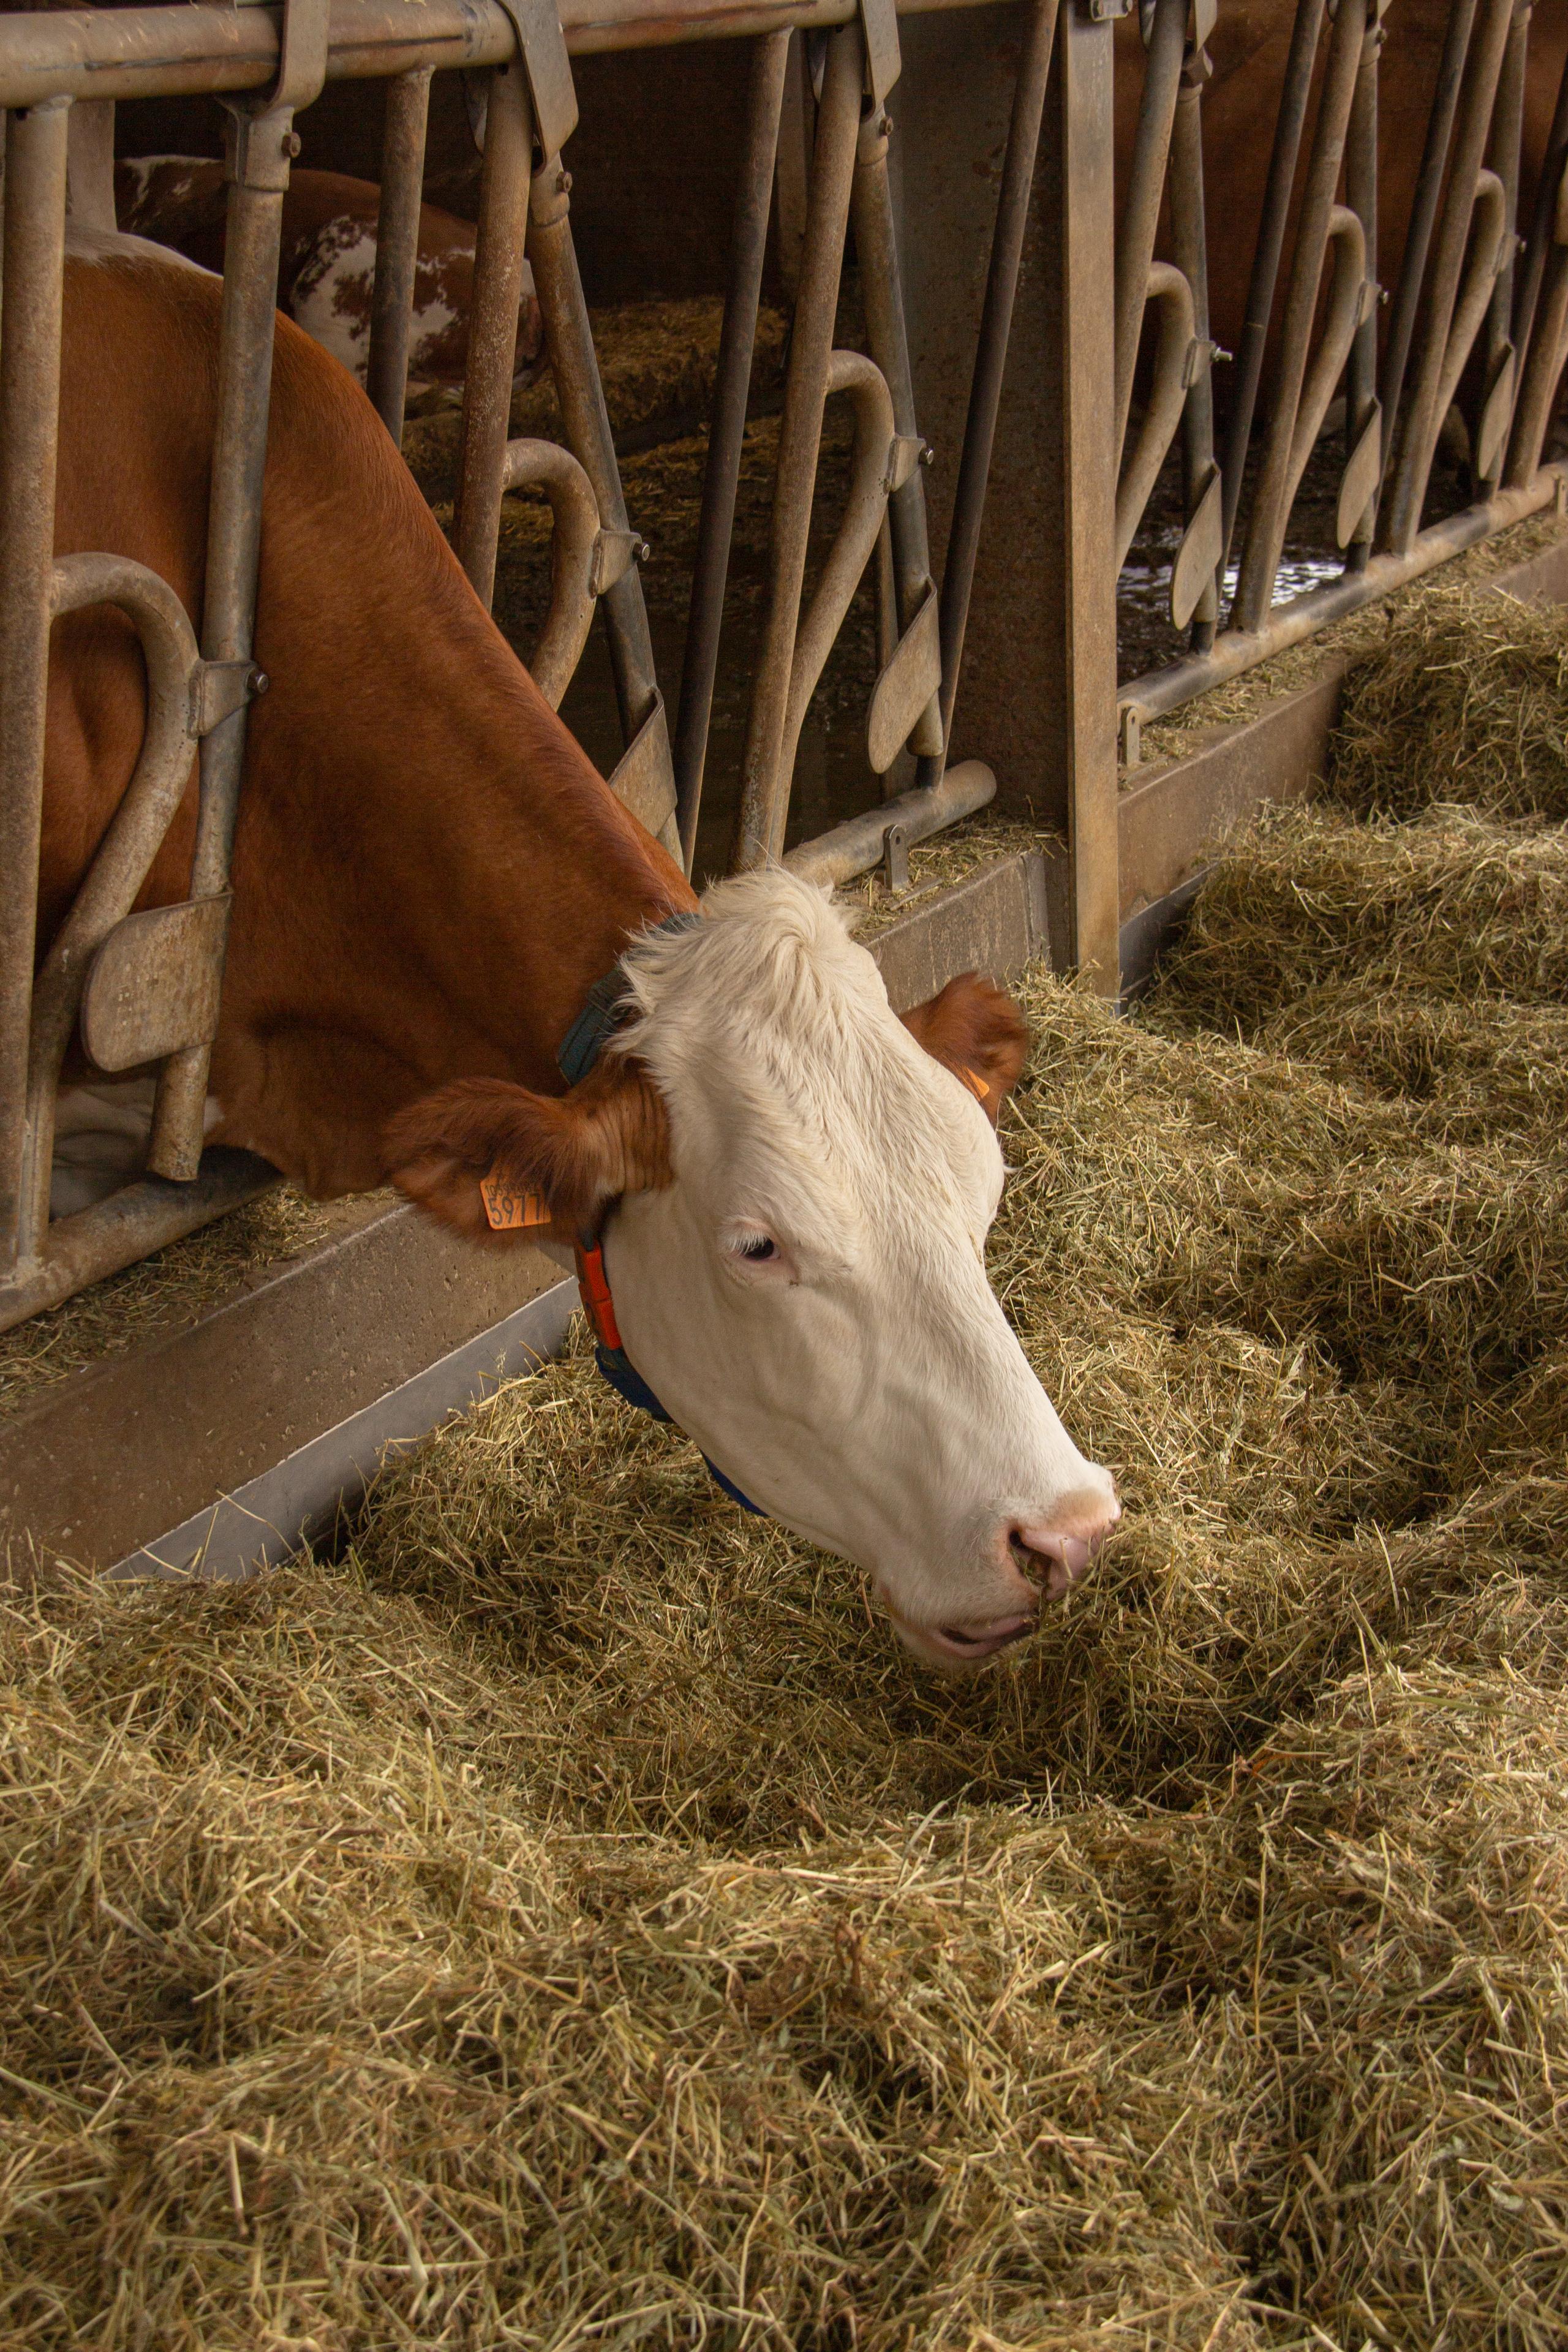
{"points": [[1464, 313]]}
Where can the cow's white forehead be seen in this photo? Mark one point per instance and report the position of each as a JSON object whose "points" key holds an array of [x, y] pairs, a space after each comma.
{"points": [[768, 1031]]}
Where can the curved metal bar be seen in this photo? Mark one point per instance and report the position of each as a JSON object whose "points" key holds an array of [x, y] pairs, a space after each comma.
{"points": [[1543, 367], [853, 372], [158, 784], [1347, 293], [1417, 427], [1146, 180], [1294, 96], [1489, 227], [764, 770], [1167, 398], [1271, 502], [546, 465]]}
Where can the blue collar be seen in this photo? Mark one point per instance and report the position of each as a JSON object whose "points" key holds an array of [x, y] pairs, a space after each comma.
{"points": [[580, 1049]]}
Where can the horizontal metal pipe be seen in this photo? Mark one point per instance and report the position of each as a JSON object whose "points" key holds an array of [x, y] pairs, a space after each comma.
{"points": [[1159, 691], [855, 846], [131, 1224], [170, 52]]}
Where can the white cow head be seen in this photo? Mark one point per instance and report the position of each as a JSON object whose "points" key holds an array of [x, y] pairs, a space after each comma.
{"points": [[794, 1187]]}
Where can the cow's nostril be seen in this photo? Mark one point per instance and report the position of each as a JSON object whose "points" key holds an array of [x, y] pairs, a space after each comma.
{"points": [[1058, 1555]]}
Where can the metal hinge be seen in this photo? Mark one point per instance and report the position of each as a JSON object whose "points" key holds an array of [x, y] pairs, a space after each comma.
{"points": [[615, 553]]}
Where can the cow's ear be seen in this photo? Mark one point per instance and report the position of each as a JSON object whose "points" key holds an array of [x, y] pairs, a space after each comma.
{"points": [[978, 1033], [500, 1163]]}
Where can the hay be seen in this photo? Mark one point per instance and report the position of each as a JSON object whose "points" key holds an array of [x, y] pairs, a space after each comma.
{"points": [[1478, 681], [567, 1920]]}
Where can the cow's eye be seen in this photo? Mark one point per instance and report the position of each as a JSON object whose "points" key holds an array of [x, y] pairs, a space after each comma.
{"points": [[758, 1249]]}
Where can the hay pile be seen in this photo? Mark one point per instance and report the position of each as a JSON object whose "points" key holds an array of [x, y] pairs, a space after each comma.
{"points": [[567, 1920]]}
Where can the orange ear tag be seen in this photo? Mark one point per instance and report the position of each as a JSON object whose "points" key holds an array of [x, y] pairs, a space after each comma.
{"points": [[976, 1085], [508, 1209]]}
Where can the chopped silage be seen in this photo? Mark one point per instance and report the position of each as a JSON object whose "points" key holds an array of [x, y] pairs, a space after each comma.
{"points": [[568, 1920]]}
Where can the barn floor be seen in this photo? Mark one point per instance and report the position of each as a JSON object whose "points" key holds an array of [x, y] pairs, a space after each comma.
{"points": [[567, 1920]]}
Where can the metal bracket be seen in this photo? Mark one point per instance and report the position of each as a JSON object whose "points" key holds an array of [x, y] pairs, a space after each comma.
{"points": [[906, 452], [615, 553], [219, 689], [1104, 12], [541, 45], [265, 141], [896, 856], [1130, 734], [880, 25]]}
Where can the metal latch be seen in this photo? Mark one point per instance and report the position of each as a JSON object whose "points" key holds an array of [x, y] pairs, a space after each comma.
{"points": [[219, 689]]}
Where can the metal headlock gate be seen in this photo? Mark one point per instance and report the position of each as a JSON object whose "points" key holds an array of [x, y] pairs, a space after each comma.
{"points": [[144, 988]]}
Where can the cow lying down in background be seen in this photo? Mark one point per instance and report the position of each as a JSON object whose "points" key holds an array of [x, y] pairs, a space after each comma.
{"points": [[327, 267]]}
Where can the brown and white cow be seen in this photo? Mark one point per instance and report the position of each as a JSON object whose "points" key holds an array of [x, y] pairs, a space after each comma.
{"points": [[327, 265], [793, 1185]]}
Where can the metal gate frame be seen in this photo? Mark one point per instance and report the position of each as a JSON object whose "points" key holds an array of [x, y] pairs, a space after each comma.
{"points": [[145, 987]]}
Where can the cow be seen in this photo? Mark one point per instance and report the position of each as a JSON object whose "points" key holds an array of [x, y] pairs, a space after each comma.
{"points": [[327, 263], [786, 1187]]}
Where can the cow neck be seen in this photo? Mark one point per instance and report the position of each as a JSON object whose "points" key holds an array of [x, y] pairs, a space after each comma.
{"points": [[580, 1050]]}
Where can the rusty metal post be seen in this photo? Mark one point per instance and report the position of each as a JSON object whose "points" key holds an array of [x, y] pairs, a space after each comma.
{"points": [[1295, 92], [1145, 184], [726, 440], [1363, 453], [1283, 456], [1543, 362], [765, 790], [1527, 284], [1500, 378], [1201, 490], [397, 245], [881, 292], [1438, 361], [29, 433], [644, 778], [261, 144], [1085, 349], [505, 179], [1013, 200]]}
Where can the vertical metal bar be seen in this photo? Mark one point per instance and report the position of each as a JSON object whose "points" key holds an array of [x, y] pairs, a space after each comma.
{"points": [[1423, 421], [29, 434], [765, 790], [1146, 180], [564, 309], [727, 435], [1537, 393], [397, 245], [1423, 213], [1086, 348], [1499, 386], [1361, 196], [1527, 289], [1294, 92], [259, 147], [990, 358], [1189, 249], [504, 182], [1266, 523], [882, 293]]}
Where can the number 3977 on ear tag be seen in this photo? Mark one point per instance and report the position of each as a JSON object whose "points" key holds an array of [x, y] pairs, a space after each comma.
{"points": [[508, 1209]]}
